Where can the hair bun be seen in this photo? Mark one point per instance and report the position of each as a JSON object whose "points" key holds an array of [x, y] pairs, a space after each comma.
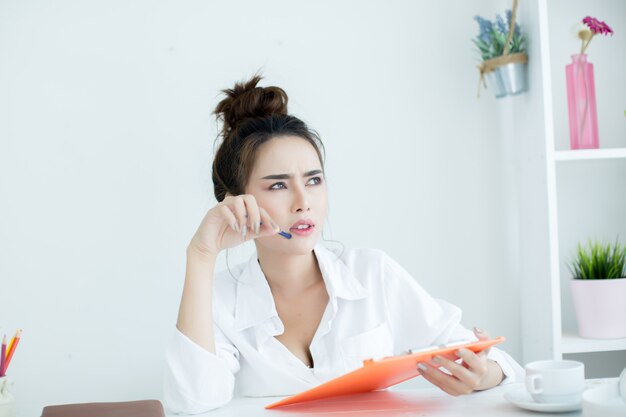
{"points": [[245, 100]]}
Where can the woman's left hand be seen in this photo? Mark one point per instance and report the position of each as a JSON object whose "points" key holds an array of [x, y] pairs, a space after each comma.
{"points": [[474, 373]]}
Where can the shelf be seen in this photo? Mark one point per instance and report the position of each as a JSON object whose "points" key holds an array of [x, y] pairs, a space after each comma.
{"points": [[572, 343], [590, 154]]}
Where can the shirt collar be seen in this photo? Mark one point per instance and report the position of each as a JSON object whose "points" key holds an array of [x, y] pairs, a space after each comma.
{"points": [[255, 303], [339, 279]]}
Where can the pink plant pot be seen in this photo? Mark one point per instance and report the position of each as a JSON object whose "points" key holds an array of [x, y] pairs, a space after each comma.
{"points": [[600, 306]]}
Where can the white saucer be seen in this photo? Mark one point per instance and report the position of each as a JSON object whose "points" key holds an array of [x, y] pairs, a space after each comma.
{"points": [[521, 398]]}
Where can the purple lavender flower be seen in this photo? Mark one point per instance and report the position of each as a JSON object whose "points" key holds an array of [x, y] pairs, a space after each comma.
{"points": [[485, 27], [501, 25], [493, 35], [509, 15]]}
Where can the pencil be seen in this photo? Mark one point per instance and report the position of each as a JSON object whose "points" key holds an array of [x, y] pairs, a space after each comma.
{"points": [[12, 347], [3, 357]]}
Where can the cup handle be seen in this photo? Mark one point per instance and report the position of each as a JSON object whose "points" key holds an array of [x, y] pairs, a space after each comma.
{"points": [[531, 383]]}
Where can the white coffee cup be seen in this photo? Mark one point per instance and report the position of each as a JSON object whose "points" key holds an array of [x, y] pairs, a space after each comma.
{"points": [[555, 381]]}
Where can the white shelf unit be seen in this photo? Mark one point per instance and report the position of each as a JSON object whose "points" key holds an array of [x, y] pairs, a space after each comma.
{"points": [[542, 170], [572, 343], [590, 154]]}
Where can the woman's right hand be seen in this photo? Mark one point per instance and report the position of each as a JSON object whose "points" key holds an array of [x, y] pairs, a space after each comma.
{"points": [[223, 226]]}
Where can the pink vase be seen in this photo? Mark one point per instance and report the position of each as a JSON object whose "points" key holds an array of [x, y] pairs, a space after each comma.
{"points": [[581, 101]]}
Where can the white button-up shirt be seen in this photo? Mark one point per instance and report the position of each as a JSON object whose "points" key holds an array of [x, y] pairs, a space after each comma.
{"points": [[375, 309]]}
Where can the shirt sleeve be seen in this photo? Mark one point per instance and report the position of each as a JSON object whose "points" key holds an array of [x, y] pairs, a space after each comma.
{"points": [[419, 320], [195, 379]]}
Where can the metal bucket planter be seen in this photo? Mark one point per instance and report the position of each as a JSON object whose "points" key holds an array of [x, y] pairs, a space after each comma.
{"points": [[505, 75], [514, 77], [495, 83]]}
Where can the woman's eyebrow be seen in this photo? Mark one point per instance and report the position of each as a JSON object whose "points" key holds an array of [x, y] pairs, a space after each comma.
{"points": [[288, 176]]}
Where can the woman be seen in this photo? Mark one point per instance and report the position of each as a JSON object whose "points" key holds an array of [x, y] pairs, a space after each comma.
{"points": [[297, 314]]}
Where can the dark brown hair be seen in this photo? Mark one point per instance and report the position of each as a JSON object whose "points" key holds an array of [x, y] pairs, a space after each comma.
{"points": [[251, 116]]}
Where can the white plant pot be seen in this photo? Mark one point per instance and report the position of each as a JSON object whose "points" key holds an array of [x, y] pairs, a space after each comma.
{"points": [[600, 306]]}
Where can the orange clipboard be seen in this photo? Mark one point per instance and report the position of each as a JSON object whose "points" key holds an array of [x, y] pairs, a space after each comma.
{"points": [[382, 373]]}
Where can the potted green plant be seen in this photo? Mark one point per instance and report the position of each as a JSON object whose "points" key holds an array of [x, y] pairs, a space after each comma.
{"points": [[502, 47], [599, 290]]}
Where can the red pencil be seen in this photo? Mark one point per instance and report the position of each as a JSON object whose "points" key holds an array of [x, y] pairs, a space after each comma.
{"points": [[14, 342], [3, 357]]}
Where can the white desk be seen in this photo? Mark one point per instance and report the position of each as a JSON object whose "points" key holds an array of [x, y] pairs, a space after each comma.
{"points": [[415, 402]]}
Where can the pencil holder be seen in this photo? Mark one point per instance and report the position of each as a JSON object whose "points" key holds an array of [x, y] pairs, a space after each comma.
{"points": [[7, 401]]}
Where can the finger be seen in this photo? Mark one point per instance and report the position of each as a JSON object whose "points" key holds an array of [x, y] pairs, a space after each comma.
{"points": [[482, 335], [473, 361], [447, 383], [468, 377], [268, 225], [238, 207], [229, 217], [253, 217], [426, 373], [477, 364]]}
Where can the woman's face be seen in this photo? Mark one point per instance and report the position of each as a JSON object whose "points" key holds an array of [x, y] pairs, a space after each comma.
{"points": [[288, 182]]}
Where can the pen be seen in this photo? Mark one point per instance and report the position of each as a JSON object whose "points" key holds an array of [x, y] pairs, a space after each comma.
{"points": [[283, 234]]}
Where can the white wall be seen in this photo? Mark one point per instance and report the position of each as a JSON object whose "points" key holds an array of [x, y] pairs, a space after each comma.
{"points": [[106, 143]]}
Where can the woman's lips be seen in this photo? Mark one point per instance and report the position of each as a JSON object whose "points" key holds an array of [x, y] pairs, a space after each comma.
{"points": [[302, 232]]}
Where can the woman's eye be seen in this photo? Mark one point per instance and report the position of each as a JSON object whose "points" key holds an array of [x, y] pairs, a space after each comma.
{"points": [[280, 185]]}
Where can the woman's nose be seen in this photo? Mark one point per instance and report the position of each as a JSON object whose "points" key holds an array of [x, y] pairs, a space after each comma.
{"points": [[301, 201]]}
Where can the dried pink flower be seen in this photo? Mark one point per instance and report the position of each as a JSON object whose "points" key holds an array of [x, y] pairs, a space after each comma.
{"points": [[607, 28], [596, 26], [593, 24]]}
